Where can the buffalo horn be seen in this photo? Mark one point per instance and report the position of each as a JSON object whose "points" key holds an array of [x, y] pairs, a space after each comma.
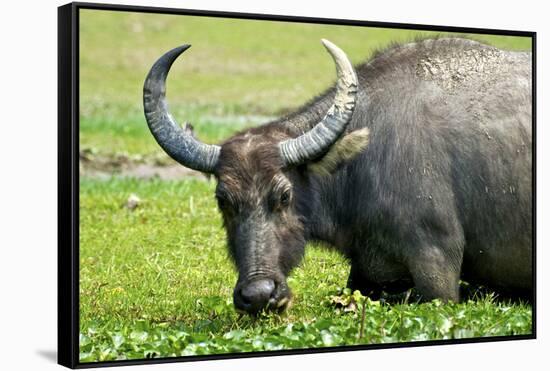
{"points": [[318, 140], [176, 142]]}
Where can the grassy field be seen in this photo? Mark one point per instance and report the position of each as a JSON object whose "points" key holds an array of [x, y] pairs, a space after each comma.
{"points": [[156, 281]]}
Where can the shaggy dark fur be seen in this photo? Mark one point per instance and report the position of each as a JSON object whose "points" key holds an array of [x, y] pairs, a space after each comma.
{"points": [[441, 192]]}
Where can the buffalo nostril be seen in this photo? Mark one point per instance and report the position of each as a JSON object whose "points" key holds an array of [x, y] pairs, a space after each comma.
{"points": [[245, 298], [257, 293]]}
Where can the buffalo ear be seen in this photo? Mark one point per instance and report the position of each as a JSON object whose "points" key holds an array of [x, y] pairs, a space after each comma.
{"points": [[345, 149]]}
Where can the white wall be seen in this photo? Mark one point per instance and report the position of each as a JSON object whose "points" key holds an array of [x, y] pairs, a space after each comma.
{"points": [[28, 182]]}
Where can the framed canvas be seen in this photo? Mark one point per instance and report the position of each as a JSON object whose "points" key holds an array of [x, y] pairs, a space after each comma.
{"points": [[315, 185]]}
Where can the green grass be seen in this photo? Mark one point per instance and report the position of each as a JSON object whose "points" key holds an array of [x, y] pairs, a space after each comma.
{"points": [[157, 282], [235, 69]]}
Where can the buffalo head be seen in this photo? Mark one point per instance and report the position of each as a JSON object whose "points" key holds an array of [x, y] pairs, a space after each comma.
{"points": [[263, 179]]}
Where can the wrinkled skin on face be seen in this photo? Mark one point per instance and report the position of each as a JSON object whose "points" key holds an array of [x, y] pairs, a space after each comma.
{"points": [[264, 218], [265, 208]]}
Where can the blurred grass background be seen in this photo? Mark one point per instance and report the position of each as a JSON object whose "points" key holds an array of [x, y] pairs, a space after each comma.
{"points": [[237, 73]]}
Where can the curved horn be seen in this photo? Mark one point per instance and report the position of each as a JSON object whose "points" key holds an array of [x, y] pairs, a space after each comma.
{"points": [[176, 142], [318, 140]]}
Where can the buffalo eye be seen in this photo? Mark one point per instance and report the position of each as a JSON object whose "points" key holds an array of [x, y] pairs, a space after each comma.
{"points": [[281, 202], [223, 203], [284, 200]]}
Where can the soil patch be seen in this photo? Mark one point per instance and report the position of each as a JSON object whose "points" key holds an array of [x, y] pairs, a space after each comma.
{"points": [[105, 167]]}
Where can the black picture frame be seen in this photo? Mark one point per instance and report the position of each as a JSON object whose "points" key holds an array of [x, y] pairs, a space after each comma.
{"points": [[68, 178]]}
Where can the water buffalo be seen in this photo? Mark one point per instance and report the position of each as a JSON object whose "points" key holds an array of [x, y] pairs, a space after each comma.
{"points": [[415, 165]]}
